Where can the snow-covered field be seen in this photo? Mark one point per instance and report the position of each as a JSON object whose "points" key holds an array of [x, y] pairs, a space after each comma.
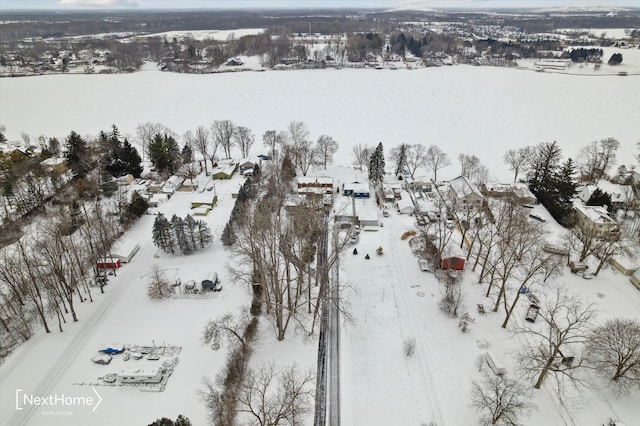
{"points": [[463, 109], [220, 35], [476, 110]]}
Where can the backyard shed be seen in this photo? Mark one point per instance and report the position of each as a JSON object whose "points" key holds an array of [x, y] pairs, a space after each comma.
{"points": [[453, 262], [125, 249], [108, 263]]}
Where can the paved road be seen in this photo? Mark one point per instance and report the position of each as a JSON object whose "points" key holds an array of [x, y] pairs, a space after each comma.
{"points": [[328, 373]]}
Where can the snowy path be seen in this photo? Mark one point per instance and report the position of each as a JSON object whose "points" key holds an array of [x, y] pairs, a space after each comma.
{"points": [[114, 292], [401, 286]]}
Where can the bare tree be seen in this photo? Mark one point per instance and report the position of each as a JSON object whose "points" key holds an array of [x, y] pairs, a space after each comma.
{"points": [[436, 159], [201, 145], [608, 148], [473, 169], [589, 163], [190, 171], [229, 327], [326, 147], [272, 396], [517, 160], [614, 350], [566, 323], [271, 139], [222, 134], [158, 286], [415, 157], [500, 400], [361, 155], [302, 149], [244, 140]]}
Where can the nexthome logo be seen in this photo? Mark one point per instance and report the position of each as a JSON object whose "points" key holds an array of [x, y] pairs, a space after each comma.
{"points": [[56, 400]]}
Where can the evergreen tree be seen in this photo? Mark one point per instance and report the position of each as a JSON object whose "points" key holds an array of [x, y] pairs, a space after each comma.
{"points": [[186, 155], [288, 171], [615, 59], [179, 237], [162, 235], [401, 159], [164, 153], [228, 237], [191, 233], [204, 235], [108, 185], [131, 159], [566, 190], [138, 205], [376, 166], [600, 198], [77, 155]]}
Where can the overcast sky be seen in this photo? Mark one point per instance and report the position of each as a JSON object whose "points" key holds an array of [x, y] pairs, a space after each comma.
{"points": [[264, 4]]}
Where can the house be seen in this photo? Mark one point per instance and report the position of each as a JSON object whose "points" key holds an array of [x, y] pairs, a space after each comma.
{"points": [[204, 199], [356, 189], [140, 375], [224, 170], [596, 220], [464, 195], [405, 205], [55, 164], [312, 184], [516, 191], [247, 167], [234, 62], [622, 196], [125, 249]]}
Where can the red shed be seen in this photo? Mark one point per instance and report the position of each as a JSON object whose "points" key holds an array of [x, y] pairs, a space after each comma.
{"points": [[454, 262], [109, 263]]}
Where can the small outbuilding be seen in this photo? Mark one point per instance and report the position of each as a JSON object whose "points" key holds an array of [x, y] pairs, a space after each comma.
{"points": [[453, 262], [108, 263], [125, 249]]}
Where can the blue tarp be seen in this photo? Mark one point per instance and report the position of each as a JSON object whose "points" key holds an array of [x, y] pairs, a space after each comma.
{"points": [[111, 350]]}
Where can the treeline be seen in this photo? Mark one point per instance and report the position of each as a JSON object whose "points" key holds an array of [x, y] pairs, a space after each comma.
{"points": [[585, 55]]}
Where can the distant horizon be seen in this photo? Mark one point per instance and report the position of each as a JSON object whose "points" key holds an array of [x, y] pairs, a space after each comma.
{"points": [[122, 5]]}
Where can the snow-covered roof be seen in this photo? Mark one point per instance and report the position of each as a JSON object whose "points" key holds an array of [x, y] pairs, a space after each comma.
{"points": [[595, 214], [619, 193], [462, 187], [356, 187], [314, 180]]}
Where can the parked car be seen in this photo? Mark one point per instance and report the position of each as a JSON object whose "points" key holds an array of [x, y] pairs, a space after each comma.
{"points": [[449, 223], [153, 357], [385, 213], [587, 275], [354, 238], [532, 313], [424, 265]]}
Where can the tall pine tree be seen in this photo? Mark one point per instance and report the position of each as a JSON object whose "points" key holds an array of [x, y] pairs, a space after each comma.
{"points": [[376, 166]]}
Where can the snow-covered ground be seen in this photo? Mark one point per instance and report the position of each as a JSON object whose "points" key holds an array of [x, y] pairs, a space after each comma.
{"points": [[463, 109], [476, 110]]}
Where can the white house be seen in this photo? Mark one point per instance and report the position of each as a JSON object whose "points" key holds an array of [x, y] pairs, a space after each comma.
{"points": [[597, 220], [464, 195]]}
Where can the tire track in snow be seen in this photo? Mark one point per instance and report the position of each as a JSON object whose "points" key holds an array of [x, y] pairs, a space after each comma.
{"points": [[428, 383], [63, 363]]}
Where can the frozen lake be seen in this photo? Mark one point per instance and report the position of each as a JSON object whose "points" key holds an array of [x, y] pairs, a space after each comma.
{"points": [[463, 109]]}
